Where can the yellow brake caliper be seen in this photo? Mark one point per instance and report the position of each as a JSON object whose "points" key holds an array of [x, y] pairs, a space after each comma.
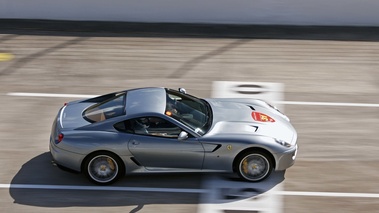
{"points": [[244, 166], [111, 163]]}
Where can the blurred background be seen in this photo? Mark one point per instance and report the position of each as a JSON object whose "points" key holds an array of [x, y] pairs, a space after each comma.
{"points": [[324, 53]]}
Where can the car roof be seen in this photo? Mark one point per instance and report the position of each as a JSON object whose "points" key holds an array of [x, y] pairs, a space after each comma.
{"points": [[146, 100]]}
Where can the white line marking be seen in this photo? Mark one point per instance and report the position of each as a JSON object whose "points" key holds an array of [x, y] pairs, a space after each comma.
{"points": [[177, 190], [329, 194], [53, 95], [100, 188], [49, 95], [327, 104]]}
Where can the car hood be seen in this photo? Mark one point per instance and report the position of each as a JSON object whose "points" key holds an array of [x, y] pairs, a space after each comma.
{"points": [[234, 116]]}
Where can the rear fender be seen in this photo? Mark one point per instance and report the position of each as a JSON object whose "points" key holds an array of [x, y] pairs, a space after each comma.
{"points": [[85, 142]]}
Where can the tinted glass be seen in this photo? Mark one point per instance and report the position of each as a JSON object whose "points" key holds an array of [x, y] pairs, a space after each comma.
{"points": [[109, 108], [191, 111], [153, 126]]}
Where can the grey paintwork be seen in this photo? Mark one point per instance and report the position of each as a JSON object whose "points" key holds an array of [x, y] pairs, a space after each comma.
{"points": [[232, 116], [233, 130]]}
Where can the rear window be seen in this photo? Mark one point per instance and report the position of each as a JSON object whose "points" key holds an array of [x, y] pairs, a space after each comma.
{"points": [[110, 108]]}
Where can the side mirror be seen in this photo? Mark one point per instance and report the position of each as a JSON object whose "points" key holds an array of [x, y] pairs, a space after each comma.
{"points": [[183, 136], [182, 90]]}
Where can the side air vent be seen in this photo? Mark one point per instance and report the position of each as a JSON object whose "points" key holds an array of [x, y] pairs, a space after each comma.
{"points": [[251, 108], [135, 161], [255, 128], [216, 148]]}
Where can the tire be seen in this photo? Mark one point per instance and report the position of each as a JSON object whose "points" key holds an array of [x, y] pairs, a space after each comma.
{"points": [[254, 166], [103, 168]]}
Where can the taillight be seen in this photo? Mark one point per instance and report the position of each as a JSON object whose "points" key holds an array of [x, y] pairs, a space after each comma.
{"points": [[261, 117], [60, 137]]}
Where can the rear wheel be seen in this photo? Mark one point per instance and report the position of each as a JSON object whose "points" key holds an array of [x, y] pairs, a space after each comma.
{"points": [[103, 168], [254, 166]]}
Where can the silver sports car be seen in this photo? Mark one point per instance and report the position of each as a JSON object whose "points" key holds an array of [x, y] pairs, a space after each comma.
{"points": [[164, 130]]}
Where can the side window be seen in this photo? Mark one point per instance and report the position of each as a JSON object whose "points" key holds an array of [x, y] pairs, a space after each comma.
{"points": [[153, 126], [124, 126]]}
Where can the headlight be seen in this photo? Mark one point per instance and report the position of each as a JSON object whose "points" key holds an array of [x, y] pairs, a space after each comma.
{"points": [[283, 143]]}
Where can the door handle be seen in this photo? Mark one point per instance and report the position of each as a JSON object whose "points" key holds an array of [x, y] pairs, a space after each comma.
{"points": [[135, 142]]}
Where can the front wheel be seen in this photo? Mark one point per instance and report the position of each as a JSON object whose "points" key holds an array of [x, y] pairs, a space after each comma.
{"points": [[254, 166], [103, 168]]}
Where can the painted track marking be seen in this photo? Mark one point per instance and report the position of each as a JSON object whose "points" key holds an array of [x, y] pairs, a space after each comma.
{"points": [[327, 104], [55, 95], [100, 188], [178, 190], [6, 56], [49, 95]]}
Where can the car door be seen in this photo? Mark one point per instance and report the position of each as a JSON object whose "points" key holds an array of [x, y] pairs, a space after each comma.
{"points": [[155, 143]]}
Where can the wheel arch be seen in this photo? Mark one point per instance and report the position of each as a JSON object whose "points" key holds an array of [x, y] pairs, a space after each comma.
{"points": [[82, 165], [253, 149]]}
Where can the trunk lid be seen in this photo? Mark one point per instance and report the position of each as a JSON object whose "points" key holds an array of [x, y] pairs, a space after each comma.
{"points": [[71, 115]]}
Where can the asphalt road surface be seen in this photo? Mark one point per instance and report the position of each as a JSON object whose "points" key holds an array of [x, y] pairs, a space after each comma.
{"points": [[331, 81]]}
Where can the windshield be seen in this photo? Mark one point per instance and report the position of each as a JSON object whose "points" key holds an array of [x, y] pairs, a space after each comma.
{"points": [[191, 111]]}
